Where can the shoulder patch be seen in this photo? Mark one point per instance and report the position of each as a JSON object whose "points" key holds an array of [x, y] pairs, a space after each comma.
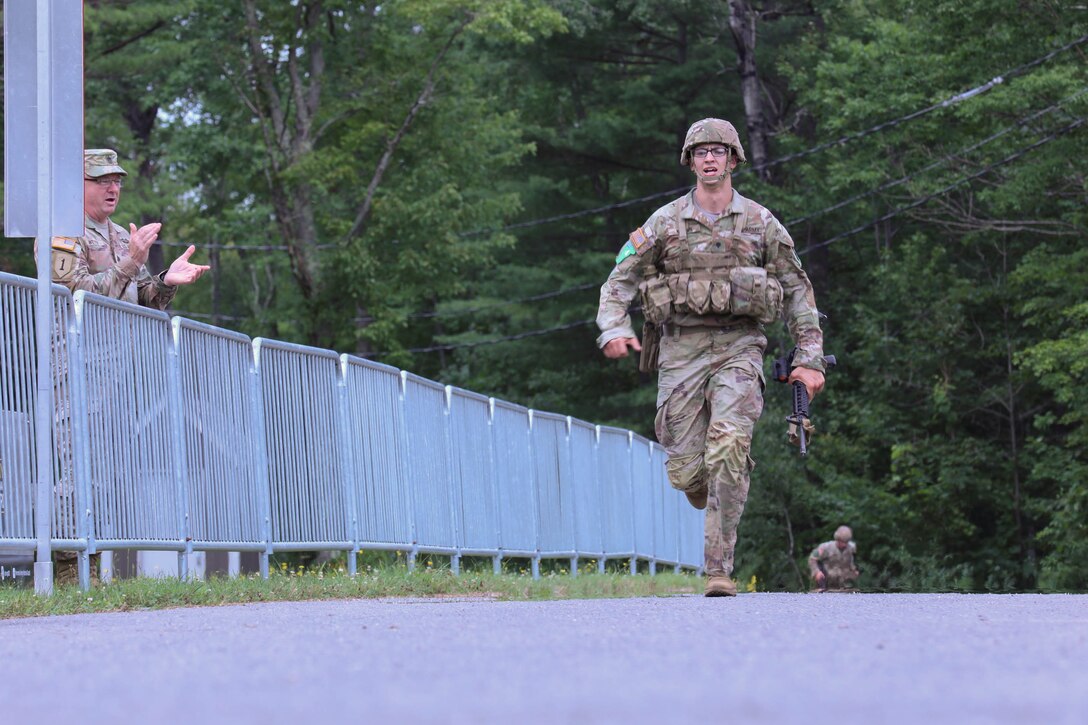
{"points": [[627, 250], [640, 240], [64, 244], [637, 243]]}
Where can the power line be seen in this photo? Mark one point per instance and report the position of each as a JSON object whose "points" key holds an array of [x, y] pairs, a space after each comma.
{"points": [[577, 214], [1012, 157], [977, 90], [946, 103], [919, 202], [505, 303], [940, 162], [245, 247], [494, 341], [958, 98], [901, 210], [437, 313], [792, 222], [953, 100]]}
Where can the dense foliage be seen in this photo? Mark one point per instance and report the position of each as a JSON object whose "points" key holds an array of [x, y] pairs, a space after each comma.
{"points": [[443, 184]]}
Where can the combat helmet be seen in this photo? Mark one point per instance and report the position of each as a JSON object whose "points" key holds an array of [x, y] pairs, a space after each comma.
{"points": [[843, 533], [711, 130]]}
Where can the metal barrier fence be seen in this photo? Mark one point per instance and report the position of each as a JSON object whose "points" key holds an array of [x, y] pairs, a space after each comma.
{"points": [[179, 436]]}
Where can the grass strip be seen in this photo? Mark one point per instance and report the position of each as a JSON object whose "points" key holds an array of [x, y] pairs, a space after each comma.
{"points": [[147, 594]]}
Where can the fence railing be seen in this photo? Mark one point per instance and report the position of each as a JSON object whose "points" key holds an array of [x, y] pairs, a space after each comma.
{"points": [[175, 435]]}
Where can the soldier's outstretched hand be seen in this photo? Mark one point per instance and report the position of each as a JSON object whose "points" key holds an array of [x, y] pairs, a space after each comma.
{"points": [[618, 348], [182, 271]]}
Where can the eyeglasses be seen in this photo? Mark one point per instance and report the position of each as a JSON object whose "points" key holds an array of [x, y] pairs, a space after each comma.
{"points": [[701, 153], [107, 182]]}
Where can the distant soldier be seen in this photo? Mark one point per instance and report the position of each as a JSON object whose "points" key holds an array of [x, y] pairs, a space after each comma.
{"points": [[110, 261], [712, 268], [831, 564]]}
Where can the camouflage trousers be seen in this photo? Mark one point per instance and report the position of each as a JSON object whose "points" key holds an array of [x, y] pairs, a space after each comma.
{"points": [[65, 512], [66, 568], [710, 395], [836, 578]]}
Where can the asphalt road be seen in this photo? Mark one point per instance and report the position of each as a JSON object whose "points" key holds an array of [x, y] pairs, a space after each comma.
{"points": [[832, 658]]}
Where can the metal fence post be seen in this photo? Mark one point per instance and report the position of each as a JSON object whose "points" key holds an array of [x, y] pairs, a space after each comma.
{"points": [[600, 503], [347, 465], [181, 471], [260, 452], [455, 519], [80, 437], [534, 487], [409, 499], [496, 560], [573, 504], [631, 499]]}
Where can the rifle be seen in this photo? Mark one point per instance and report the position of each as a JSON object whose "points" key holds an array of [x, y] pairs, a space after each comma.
{"points": [[800, 427]]}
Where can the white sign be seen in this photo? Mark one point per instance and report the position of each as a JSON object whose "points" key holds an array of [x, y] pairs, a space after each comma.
{"points": [[62, 130]]}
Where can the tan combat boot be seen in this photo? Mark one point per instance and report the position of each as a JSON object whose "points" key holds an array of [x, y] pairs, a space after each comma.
{"points": [[697, 498], [720, 586]]}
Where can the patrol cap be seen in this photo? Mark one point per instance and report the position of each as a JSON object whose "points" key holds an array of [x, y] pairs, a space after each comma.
{"points": [[843, 533], [99, 162]]}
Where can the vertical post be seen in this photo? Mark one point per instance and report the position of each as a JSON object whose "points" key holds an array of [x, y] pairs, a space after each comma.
{"points": [[632, 505], [43, 311], [178, 447], [496, 562], [106, 575], [349, 479], [79, 439], [457, 510], [403, 452], [597, 484], [534, 484], [260, 453]]}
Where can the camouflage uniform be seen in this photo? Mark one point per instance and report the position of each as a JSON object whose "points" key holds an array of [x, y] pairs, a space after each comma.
{"points": [[837, 564], [96, 262], [709, 268]]}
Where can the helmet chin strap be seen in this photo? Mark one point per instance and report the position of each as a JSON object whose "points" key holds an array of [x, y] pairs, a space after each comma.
{"points": [[712, 177]]}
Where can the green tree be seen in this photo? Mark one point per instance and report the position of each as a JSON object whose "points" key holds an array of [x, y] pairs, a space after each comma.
{"points": [[938, 409], [335, 98]]}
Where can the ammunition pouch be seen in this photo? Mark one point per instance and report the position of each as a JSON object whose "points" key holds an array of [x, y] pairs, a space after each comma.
{"points": [[656, 299], [651, 345], [736, 292], [698, 292], [755, 294]]}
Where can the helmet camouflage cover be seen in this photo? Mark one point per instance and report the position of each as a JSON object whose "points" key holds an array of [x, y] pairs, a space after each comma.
{"points": [[711, 130]]}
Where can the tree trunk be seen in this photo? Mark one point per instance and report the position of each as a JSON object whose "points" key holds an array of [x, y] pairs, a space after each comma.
{"points": [[742, 24]]}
